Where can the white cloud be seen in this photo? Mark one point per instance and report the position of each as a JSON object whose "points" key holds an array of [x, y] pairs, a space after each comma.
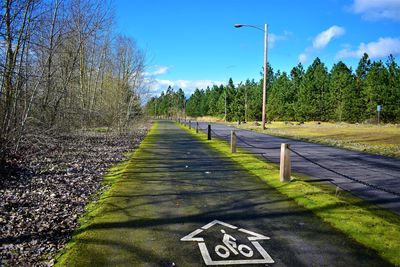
{"points": [[303, 58], [377, 9], [323, 39], [381, 48], [156, 86], [274, 38], [159, 71]]}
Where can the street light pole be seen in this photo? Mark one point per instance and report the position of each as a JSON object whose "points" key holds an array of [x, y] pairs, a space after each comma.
{"points": [[265, 30], [265, 75]]}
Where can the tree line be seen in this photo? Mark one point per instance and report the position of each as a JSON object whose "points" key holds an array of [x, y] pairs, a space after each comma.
{"points": [[340, 95], [62, 67]]}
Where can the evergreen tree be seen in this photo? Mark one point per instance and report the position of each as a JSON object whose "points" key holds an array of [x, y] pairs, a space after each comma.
{"points": [[239, 104], [230, 97], [377, 91], [392, 111], [193, 106], [254, 99], [280, 98], [313, 94], [361, 72], [180, 102], [221, 102], [213, 100], [342, 93], [296, 76]]}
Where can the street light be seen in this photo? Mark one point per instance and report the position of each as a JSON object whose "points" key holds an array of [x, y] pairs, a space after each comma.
{"points": [[265, 30]]}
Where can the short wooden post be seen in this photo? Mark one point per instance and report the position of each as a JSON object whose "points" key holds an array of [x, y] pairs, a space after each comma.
{"points": [[197, 127], [285, 164], [190, 125], [209, 132], [233, 141]]}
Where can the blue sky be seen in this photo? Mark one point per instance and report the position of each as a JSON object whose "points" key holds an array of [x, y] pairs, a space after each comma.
{"points": [[193, 44]]}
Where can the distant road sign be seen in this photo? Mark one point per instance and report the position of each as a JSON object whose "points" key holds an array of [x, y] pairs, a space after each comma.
{"points": [[379, 108]]}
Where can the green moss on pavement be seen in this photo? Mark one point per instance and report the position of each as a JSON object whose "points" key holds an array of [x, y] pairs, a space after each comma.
{"points": [[103, 211]]}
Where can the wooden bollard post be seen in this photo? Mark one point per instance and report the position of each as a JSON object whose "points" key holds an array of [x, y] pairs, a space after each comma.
{"points": [[233, 141], [190, 125], [285, 164], [197, 127], [209, 132]]}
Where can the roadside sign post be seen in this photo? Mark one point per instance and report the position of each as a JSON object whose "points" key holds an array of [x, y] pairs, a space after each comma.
{"points": [[379, 109]]}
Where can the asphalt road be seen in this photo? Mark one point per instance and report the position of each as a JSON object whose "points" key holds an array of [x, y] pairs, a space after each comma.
{"points": [[183, 204], [380, 171]]}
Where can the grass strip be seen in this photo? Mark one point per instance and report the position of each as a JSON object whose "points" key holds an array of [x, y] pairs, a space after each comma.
{"points": [[368, 224], [95, 209]]}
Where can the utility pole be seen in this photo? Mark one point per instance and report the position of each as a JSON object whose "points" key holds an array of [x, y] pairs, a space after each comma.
{"points": [[265, 75], [264, 99], [225, 104], [245, 103], [184, 107], [155, 109]]}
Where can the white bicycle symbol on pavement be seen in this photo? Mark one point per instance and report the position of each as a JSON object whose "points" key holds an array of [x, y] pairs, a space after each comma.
{"points": [[231, 246]]}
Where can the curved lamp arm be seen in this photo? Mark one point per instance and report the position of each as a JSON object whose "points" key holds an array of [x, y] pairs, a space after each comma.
{"points": [[246, 25]]}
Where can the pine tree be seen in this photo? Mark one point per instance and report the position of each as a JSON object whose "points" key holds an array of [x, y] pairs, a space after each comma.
{"points": [[393, 108], [194, 104], [341, 93], [279, 98], [296, 75], [377, 91], [361, 72], [239, 104], [230, 97], [254, 96], [313, 94], [213, 100]]}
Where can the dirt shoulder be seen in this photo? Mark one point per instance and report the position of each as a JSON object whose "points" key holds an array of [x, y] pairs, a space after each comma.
{"points": [[43, 193]]}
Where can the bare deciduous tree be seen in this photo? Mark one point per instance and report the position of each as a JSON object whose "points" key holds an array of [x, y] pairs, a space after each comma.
{"points": [[62, 68]]}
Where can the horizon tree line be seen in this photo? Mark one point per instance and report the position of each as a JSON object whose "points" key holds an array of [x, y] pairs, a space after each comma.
{"points": [[314, 94]]}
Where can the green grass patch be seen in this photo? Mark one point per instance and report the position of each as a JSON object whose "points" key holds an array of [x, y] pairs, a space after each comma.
{"points": [[75, 250], [368, 224]]}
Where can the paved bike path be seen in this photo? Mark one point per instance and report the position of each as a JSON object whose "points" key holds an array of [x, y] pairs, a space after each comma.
{"points": [[375, 170], [179, 185]]}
